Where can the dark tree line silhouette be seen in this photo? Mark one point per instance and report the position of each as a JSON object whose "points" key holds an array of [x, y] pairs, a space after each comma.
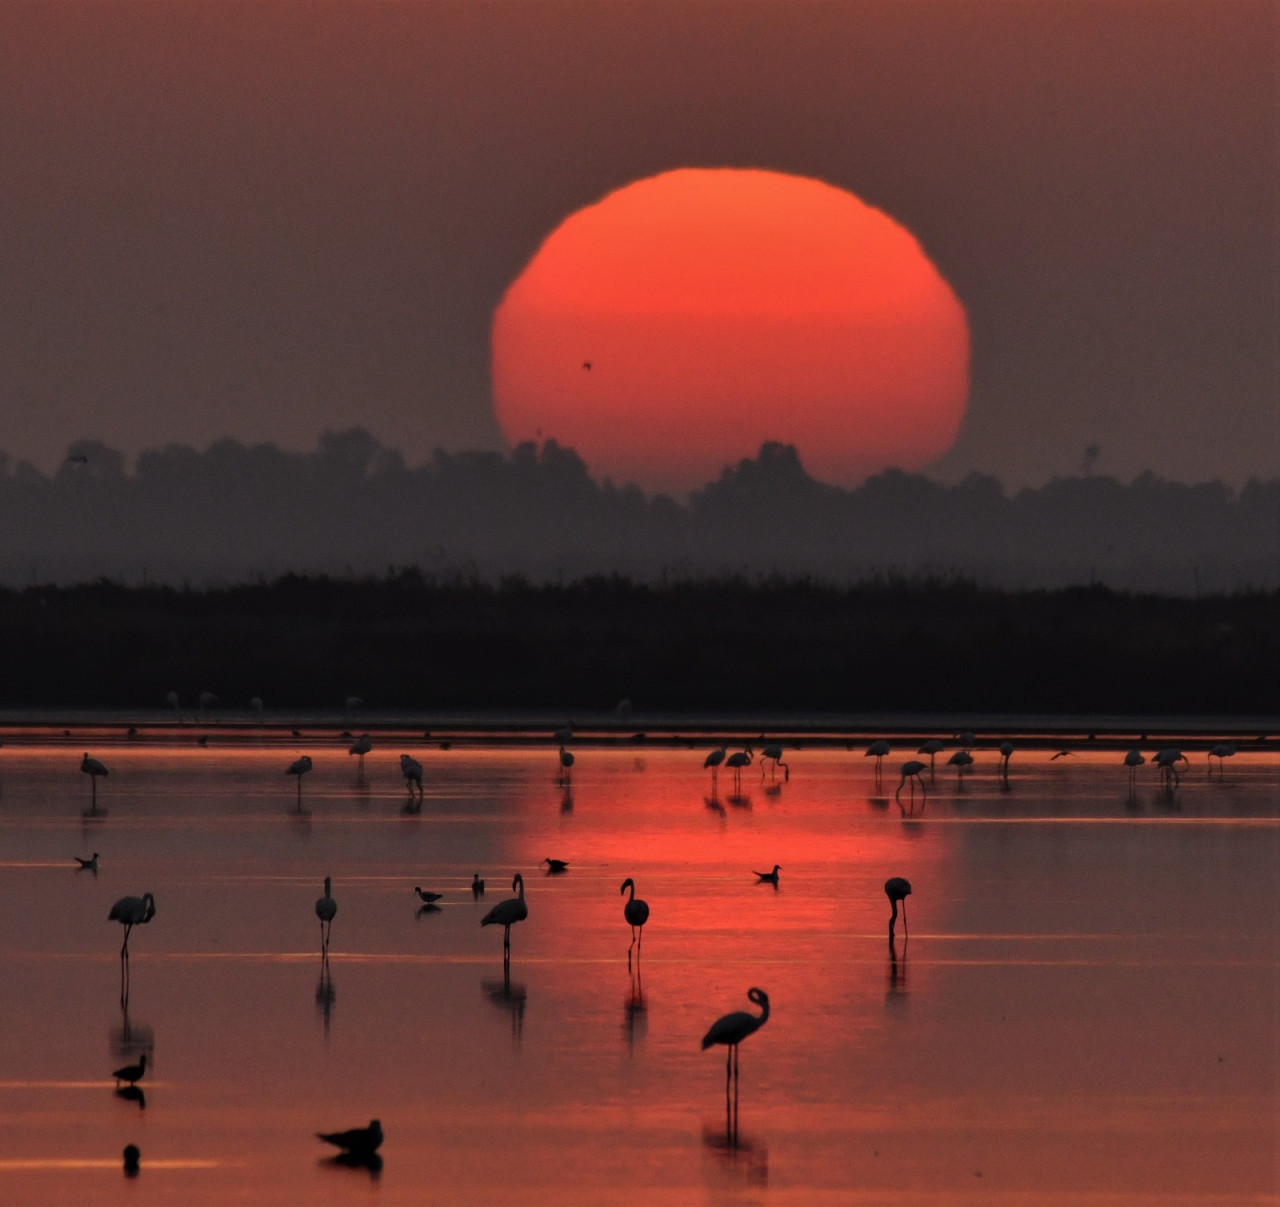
{"points": [[233, 513]]}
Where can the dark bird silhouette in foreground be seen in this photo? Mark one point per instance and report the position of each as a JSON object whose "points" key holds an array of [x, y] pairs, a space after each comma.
{"points": [[131, 912], [87, 865], [131, 1073], [429, 898], [477, 886], [773, 754], [897, 890], [911, 771], [132, 1156], [93, 768], [507, 913], [636, 913], [731, 1030], [556, 866], [360, 1142], [768, 877], [326, 908]]}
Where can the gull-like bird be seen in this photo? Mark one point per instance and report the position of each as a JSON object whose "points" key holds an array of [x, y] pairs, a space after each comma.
{"points": [[768, 877], [87, 865], [131, 1073], [359, 1141]]}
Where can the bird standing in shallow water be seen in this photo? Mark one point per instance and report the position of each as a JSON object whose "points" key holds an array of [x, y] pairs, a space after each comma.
{"points": [[737, 761], [299, 767], [131, 912], [93, 768], [566, 767], [911, 771], [1133, 760], [411, 769], [1006, 753], [877, 750], [960, 760], [428, 898], [477, 886], [361, 746], [933, 747], [1220, 751], [637, 914], [713, 761], [773, 754], [1166, 760], [131, 1073], [326, 908], [507, 913], [731, 1030], [897, 889]]}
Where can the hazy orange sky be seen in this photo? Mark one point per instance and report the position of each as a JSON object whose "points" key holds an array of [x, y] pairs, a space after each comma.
{"points": [[266, 220]]}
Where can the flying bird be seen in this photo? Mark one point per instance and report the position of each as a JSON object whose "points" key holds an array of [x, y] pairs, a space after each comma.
{"points": [[507, 913], [768, 877], [636, 913], [359, 1141], [1062, 754], [326, 908], [897, 890], [131, 1073], [131, 912], [87, 865]]}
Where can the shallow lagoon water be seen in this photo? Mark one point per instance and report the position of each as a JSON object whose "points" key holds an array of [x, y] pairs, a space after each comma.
{"points": [[1084, 1011]]}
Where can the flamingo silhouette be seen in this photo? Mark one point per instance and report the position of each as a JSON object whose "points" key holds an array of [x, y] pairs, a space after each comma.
{"points": [[411, 769], [1220, 751], [960, 760], [131, 912], [731, 1030], [637, 914], [326, 908], [1006, 753], [738, 760], [897, 889], [507, 913], [877, 750], [1133, 760], [361, 746], [1166, 759], [773, 754], [566, 767], [299, 767], [93, 768], [911, 771], [477, 886], [713, 761], [934, 746]]}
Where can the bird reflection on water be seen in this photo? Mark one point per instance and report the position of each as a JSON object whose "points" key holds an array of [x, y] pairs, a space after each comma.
{"points": [[326, 994], [133, 1093], [509, 996], [635, 1019], [895, 993], [742, 1156]]}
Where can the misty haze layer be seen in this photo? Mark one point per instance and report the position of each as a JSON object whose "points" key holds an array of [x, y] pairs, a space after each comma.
{"points": [[234, 513]]}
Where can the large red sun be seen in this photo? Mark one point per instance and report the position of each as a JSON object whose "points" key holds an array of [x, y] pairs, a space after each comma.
{"points": [[679, 323]]}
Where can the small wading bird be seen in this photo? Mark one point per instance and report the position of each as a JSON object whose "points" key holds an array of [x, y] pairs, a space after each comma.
{"points": [[1133, 760], [768, 877], [911, 770], [131, 1073], [732, 1029], [713, 761], [773, 754], [960, 760], [1220, 751], [566, 767], [359, 1141], [738, 760], [507, 913], [326, 908], [477, 886], [93, 768], [636, 913], [897, 889], [411, 769], [299, 767], [428, 898], [555, 866], [87, 865], [131, 912]]}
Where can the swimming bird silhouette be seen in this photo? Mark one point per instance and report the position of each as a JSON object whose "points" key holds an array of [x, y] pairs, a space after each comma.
{"points": [[1062, 754], [411, 769], [131, 912], [131, 1073], [636, 913], [299, 767], [359, 1141], [769, 877], [773, 753], [477, 886], [910, 771], [507, 913], [93, 768], [897, 890], [132, 1155], [87, 865], [429, 898], [713, 761], [326, 908], [555, 866]]}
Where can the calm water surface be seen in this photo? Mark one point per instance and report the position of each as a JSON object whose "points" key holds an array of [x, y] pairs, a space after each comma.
{"points": [[1085, 1011]]}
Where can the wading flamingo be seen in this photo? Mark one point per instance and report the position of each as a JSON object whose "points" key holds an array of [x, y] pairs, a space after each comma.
{"points": [[93, 768], [773, 754], [911, 771], [131, 912], [326, 908], [507, 913], [897, 889], [637, 914], [713, 761]]}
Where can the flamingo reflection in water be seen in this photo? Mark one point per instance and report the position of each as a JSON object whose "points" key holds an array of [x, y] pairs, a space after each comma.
{"points": [[712, 762], [730, 1030], [326, 994], [635, 1010], [509, 996], [896, 982]]}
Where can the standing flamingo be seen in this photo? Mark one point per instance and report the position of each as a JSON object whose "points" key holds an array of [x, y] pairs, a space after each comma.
{"points": [[731, 1030], [411, 769], [93, 768], [897, 889], [566, 767], [507, 913], [713, 761], [299, 767], [738, 760], [131, 912], [1166, 759], [934, 746], [1006, 753], [877, 750], [637, 914], [361, 746], [911, 771], [960, 760], [326, 908], [1220, 751], [773, 754], [1133, 760]]}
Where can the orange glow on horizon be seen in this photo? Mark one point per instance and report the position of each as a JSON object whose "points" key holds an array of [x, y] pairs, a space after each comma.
{"points": [[679, 323]]}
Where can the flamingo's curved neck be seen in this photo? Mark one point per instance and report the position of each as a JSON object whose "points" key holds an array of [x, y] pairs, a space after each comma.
{"points": [[518, 885], [631, 885]]}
